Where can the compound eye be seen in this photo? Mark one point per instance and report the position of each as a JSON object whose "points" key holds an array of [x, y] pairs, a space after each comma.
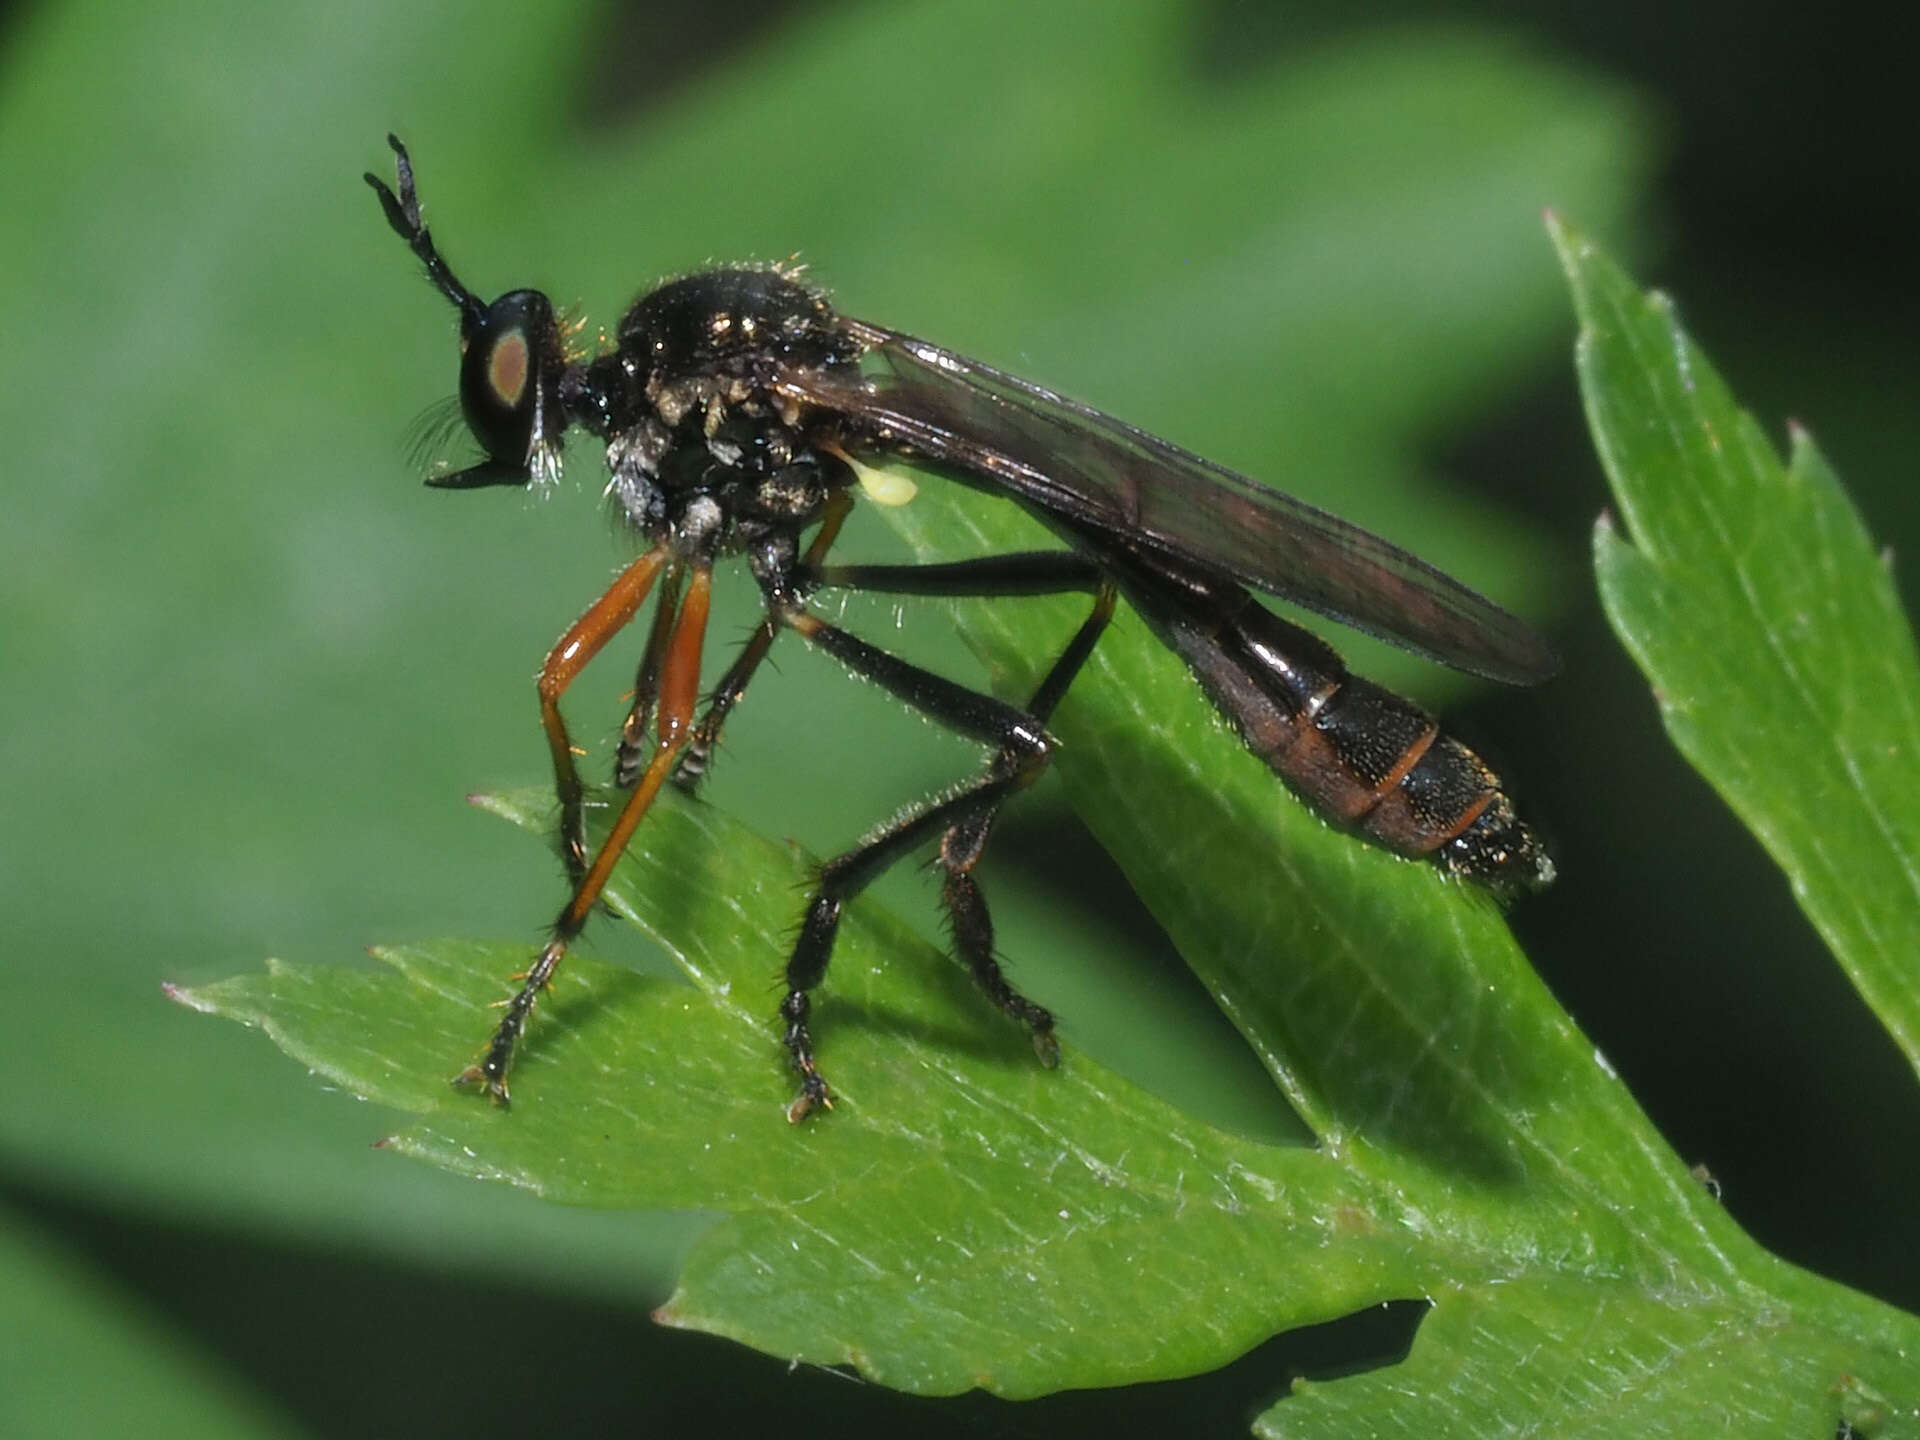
{"points": [[507, 367], [513, 356]]}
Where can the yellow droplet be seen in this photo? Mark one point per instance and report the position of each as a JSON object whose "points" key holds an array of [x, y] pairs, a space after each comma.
{"points": [[883, 487]]}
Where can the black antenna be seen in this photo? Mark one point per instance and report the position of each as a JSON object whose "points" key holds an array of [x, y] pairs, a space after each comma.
{"points": [[403, 214]]}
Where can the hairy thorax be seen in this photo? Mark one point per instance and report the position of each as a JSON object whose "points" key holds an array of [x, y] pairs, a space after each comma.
{"points": [[700, 449]]}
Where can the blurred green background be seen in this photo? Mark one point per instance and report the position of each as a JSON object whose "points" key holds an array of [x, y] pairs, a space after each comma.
{"points": [[250, 666]]}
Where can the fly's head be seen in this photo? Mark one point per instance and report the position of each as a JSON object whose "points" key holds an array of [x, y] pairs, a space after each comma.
{"points": [[512, 358]]}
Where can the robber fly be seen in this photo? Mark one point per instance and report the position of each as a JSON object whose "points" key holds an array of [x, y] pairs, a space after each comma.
{"points": [[735, 405]]}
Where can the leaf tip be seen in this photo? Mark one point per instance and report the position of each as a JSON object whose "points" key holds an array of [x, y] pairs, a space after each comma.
{"points": [[182, 995], [518, 808], [1572, 245], [1802, 449], [1611, 550]]}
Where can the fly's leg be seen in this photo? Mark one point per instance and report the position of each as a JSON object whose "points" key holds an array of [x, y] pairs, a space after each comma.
{"points": [[629, 758], [1023, 572], [732, 688], [605, 618], [960, 848], [1023, 750], [1026, 573], [733, 685], [679, 686]]}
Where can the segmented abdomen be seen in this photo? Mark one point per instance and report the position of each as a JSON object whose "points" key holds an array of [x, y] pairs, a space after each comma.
{"points": [[1362, 756]]}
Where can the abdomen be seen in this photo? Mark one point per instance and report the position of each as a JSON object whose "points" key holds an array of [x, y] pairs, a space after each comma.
{"points": [[1367, 759]]}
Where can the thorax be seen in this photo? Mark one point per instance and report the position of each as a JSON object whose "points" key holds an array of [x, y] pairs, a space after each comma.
{"points": [[697, 446]]}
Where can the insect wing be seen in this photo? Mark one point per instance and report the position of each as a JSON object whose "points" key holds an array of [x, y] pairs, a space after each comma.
{"points": [[1106, 477]]}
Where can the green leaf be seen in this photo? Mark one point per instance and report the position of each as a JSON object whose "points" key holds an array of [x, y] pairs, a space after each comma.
{"points": [[1751, 595], [277, 732], [1400, 1020], [939, 1228], [1573, 1356], [303, 711], [965, 1218]]}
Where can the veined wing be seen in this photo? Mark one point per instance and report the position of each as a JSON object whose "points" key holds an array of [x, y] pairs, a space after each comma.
{"points": [[1108, 478]]}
